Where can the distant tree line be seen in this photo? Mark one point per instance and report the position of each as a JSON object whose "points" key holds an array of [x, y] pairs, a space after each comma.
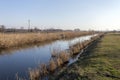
{"points": [[35, 29], [22, 30]]}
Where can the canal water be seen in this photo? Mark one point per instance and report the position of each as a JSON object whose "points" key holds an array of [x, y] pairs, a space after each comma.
{"points": [[19, 61]]}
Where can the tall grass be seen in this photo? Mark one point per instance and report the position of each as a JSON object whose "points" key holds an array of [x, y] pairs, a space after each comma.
{"points": [[59, 62], [38, 73], [59, 58], [64, 56], [75, 49], [52, 65], [20, 39], [34, 74], [100, 62]]}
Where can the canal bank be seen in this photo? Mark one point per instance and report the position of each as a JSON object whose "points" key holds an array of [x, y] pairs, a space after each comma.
{"points": [[99, 62], [19, 61]]}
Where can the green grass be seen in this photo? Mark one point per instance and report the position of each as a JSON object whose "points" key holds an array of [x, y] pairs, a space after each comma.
{"points": [[100, 62]]}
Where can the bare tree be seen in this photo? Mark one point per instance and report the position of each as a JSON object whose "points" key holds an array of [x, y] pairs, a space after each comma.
{"points": [[2, 28]]}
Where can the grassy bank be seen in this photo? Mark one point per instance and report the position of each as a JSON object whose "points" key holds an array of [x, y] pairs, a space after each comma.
{"points": [[59, 59], [101, 61], [21, 39]]}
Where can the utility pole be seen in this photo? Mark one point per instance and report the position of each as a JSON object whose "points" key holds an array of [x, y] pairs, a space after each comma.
{"points": [[29, 25]]}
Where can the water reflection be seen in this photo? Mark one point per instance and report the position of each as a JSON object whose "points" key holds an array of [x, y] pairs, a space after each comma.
{"points": [[19, 60]]}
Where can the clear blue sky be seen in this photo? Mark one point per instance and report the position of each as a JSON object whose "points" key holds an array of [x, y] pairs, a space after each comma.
{"points": [[65, 14]]}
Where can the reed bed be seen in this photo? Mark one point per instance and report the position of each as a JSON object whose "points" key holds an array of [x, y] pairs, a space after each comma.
{"points": [[8, 40], [60, 58], [75, 49], [55, 62], [38, 73], [34, 74]]}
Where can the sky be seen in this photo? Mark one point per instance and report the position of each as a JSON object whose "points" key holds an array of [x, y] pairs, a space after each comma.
{"points": [[62, 14]]}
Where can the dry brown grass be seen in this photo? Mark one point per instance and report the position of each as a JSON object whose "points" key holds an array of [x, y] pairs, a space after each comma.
{"points": [[19, 39], [60, 58], [34, 74], [38, 73], [54, 63], [75, 49], [43, 70], [59, 61], [54, 52], [52, 66], [64, 56]]}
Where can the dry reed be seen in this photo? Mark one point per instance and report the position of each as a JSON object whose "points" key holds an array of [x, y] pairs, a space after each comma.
{"points": [[60, 58], [20, 39], [59, 62], [52, 65], [64, 56], [34, 74]]}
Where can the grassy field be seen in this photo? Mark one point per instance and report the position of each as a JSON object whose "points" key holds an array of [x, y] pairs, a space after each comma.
{"points": [[101, 61], [8, 40]]}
